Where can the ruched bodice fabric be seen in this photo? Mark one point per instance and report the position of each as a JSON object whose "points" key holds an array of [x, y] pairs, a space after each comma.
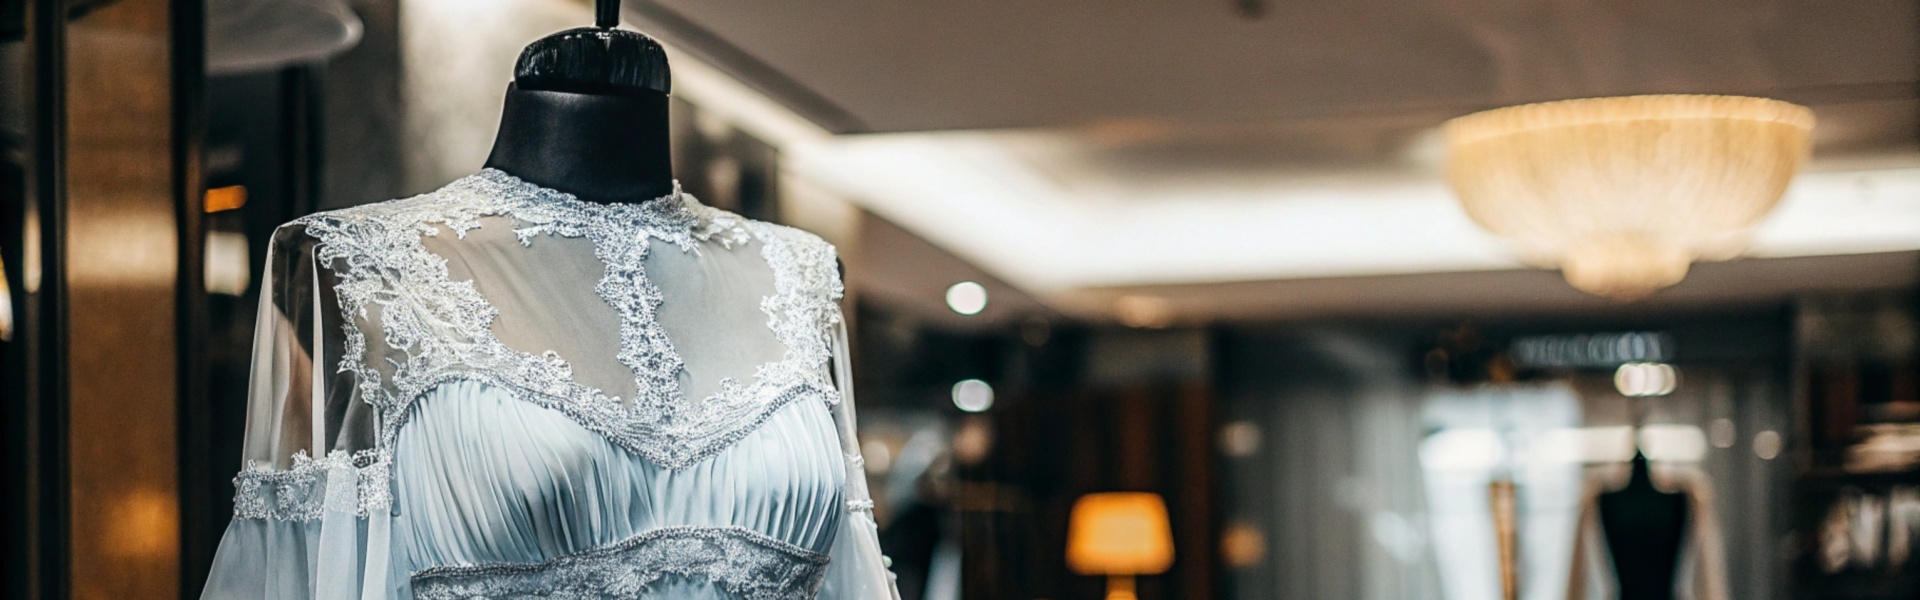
{"points": [[488, 478]]}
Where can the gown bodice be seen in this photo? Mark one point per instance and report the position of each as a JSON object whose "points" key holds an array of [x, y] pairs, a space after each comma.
{"points": [[512, 393], [492, 484]]}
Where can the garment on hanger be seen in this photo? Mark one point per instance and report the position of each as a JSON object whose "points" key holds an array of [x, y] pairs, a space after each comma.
{"points": [[497, 390], [1701, 570]]}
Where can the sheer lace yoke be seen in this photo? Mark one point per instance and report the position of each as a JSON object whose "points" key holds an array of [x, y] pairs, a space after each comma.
{"points": [[488, 280], [710, 313]]}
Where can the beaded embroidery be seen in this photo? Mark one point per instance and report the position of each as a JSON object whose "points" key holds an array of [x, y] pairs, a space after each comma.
{"points": [[739, 561]]}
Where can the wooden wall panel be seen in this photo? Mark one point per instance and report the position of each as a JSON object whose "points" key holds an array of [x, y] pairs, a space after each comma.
{"points": [[122, 273]]}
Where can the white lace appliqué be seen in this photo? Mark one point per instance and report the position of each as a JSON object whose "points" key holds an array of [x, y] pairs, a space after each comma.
{"points": [[742, 562], [439, 328]]}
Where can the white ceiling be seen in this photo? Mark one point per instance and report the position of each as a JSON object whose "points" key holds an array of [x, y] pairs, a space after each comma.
{"points": [[991, 64], [1081, 149]]}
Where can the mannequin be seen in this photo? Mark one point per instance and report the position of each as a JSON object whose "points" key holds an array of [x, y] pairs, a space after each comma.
{"points": [[594, 386], [1644, 528], [587, 114]]}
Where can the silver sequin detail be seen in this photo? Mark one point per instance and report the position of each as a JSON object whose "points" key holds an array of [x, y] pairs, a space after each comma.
{"points": [[739, 561]]}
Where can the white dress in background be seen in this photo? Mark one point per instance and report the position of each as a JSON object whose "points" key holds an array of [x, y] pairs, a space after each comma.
{"points": [[524, 395]]}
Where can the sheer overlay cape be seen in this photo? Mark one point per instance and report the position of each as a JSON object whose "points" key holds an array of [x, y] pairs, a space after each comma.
{"points": [[497, 390]]}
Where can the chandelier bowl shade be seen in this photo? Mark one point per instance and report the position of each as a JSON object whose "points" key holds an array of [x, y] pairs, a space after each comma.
{"points": [[1624, 193]]}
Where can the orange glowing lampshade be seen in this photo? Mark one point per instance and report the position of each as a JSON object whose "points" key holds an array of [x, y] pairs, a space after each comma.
{"points": [[1119, 533], [226, 198]]}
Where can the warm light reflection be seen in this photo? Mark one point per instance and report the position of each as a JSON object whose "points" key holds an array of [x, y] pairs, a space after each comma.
{"points": [[878, 456], [144, 524], [30, 251], [1143, 311], [973, 441], [1240, 439], [1767, 444], [6, 306], [1888, 448], [228, 263], [122, 248], [1243, 545], [226, 198], [1721, 433]]}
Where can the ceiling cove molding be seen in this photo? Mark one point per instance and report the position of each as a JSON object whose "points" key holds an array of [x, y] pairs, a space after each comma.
{"points": [[974, 194], [716, 51]]}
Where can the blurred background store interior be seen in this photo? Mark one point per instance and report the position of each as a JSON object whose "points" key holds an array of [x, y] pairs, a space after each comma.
{"points": [[1203, 250]]}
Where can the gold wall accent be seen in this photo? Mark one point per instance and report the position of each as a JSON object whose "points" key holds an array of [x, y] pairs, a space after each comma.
{"points": [[122, 255]]}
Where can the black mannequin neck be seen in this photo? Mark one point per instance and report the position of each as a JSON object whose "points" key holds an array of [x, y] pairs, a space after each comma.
{"points": [[1640, 479], [598, 147]]}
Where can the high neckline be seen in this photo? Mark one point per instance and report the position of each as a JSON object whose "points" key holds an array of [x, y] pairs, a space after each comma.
{"points": [[677, 217], [676, 198]]}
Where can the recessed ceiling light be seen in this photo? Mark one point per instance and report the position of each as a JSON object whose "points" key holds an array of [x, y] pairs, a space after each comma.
{"points": [[1143, 311], [973, 395], [1721, 433], [967, 298], [1240, 439], [1767, 444], [1644, 379]]}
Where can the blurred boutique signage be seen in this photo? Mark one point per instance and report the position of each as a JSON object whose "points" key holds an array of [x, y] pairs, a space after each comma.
{"points": [[1593, 350]]}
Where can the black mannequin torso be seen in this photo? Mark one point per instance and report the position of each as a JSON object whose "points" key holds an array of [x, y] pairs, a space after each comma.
{"points": [[587, 114], [599, 147], [1644, 529]]}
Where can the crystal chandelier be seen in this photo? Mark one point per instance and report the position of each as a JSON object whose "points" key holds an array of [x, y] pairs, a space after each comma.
{"points": [[1624, 193]]}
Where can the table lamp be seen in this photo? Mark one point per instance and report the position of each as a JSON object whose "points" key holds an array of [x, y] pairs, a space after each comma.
{"points": [[1120, 535]]}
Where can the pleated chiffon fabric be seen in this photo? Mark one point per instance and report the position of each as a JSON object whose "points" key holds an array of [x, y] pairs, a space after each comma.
{"points": [[495, 390]]}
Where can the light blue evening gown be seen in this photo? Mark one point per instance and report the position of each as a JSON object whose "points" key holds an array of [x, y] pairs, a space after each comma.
{"points": [[519, 394]]}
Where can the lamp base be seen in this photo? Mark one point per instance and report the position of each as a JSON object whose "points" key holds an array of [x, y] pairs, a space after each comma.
{"points": [[1120, 587]]}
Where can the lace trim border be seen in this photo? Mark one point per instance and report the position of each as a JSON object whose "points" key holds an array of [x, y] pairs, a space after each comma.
{"points": [[742, 562], [309, 489]]}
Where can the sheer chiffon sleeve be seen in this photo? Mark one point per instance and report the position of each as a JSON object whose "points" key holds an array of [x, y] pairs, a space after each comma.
{"points": [[311, 504], [858, 570]]}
